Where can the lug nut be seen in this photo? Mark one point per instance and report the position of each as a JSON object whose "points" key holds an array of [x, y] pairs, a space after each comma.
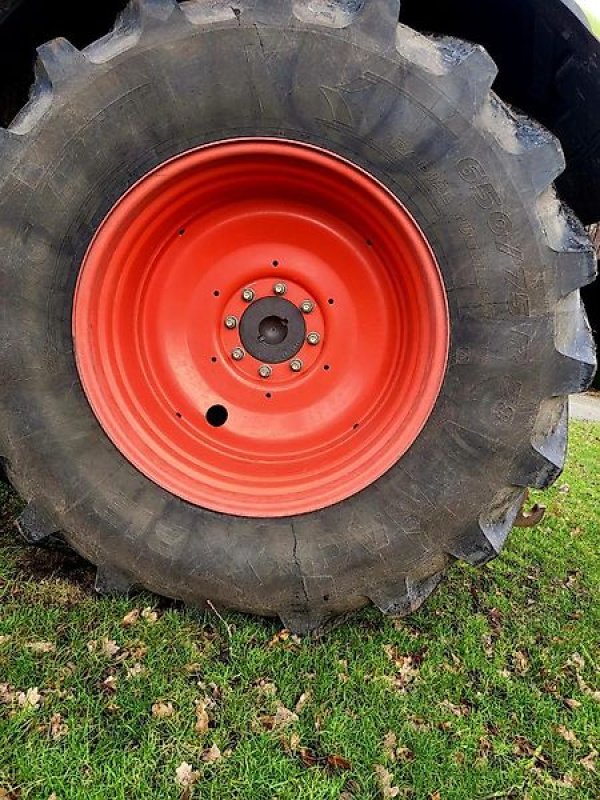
{"points": [[230, 323], [279, 288], [237, 354], [265, 371], [306, 306], [248, 295], [313, 338], [296, 365]]}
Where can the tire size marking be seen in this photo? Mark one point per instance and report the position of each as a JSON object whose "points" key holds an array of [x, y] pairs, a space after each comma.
{"points": [[487, 198]]}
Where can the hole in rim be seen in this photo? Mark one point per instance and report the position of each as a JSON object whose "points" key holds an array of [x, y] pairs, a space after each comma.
{"points": [[331, 301], [217, 415], [369, 243], [216, 292], [178, 414], [275, 263], [181, 231], [326, 367], [355, 426], [214, 359], [268, 394]]}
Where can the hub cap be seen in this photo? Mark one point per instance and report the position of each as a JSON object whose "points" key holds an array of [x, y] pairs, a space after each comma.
{"points": [[260, 327]]}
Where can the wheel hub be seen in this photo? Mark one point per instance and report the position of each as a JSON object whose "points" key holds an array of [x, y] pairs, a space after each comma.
{"points": [[323, 332], [272, 329]]}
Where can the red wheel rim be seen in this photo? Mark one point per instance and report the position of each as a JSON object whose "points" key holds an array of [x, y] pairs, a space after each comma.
{"points": [[168, 267]]}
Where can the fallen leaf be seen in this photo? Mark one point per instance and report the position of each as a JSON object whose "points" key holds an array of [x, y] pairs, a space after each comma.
{"points": [[7, 694], [29, 699], [135, 670], [109, 647], [309, 759], [131, 617], [185, 775], [568, 735], [384, 782], [202, 718], [436, 796], [281, 636], [461, 710], [58, 728], [571, 703], [294, 742], [212, 754], [162, 710], [593, 693], [149, 615], [390, 743], [404, 754], [41, 647], [266, 687], [589, 762], [282, 717], [338, 762], [302, 701], [109, 684], [521, 662]]}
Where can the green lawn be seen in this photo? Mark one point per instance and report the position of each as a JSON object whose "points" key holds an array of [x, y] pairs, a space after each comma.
{"points": [[488, 692]]}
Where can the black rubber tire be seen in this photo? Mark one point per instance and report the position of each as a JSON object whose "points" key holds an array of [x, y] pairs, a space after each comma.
{"points": [[416, 113]]}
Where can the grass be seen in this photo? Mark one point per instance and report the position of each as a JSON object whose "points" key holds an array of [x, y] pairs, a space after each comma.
{"points": [[488, 692]]}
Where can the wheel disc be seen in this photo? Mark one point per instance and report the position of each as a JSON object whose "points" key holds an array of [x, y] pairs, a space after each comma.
{"points": [[260, 327]]}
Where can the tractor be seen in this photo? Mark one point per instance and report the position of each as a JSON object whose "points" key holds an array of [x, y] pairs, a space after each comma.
{"points": [[290, 303]]}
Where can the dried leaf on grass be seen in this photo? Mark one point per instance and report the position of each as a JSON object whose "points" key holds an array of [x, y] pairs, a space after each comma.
{"points": [[162, 710], [589, 762], [41, 647], [384, 783], [212, 754], [282, 717], [568, 735], [30, 699], [202, 718], [338, 762], [57, 727], [185, 775], [149, 615], [131, 618]]}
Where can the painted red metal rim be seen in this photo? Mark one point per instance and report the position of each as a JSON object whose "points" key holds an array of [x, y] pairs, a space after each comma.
{"points": [[203, 377]]}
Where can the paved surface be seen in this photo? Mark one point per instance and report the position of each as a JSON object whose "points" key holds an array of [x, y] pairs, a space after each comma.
{"points": [[585, 406]]}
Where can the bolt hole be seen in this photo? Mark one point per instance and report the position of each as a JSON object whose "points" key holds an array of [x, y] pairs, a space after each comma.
{"points": [[269, 395], [178, 414], [214, 359], [275, 263], [216, 292], [326, 367], [331, 301], [369, 243], [217, 416], [181, 231], [355, 426]]}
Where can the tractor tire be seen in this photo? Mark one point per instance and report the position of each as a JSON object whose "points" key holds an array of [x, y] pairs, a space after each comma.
{"points": [[397, 192]]}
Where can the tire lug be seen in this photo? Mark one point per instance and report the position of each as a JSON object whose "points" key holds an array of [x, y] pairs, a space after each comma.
{"points": [[248, 295], [313, 338], [237, 354], [296, 365], [265, 371], [306, 306], [279, 289], [231, 323]]}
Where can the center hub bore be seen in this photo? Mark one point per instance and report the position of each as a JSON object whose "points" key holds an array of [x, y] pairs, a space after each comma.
{"points": [[272, 330]]}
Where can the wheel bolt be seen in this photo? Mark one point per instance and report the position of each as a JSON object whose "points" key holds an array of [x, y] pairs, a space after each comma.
{"points": [[306, 306], [230, 323], [237, 354], [248, 295], [296, 365], [313, 338], [265, 371], [279, 288]]}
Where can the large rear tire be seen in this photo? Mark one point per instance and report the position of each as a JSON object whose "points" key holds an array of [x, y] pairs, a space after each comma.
{"points": [[418, 119]]}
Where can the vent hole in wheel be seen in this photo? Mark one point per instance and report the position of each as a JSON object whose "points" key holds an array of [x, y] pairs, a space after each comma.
{"points": [[217, 416]]}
